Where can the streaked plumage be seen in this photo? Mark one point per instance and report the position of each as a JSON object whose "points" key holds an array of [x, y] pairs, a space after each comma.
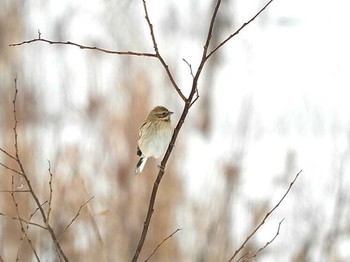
{"points": [[154, 136]]}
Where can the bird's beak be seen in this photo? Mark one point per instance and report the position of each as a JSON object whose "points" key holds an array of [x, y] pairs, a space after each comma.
{"points": [[170, 113]]}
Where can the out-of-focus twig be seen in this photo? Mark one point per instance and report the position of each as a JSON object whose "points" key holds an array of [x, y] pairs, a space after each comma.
{"points": [[246, 257], [7, 153], [23, 220], [50, 187], [25, 236], [11, 169], [24, 175], [266, 216], [74, 218], [161, 243]]}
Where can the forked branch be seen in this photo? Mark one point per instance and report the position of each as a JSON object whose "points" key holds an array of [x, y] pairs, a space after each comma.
{"points": [[266, 216]]}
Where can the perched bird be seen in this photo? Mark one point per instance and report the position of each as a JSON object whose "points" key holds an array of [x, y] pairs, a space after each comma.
{"points": [[154, 136]]}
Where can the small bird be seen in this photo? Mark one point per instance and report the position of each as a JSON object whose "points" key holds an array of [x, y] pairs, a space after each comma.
{"points": [[154, 136]]}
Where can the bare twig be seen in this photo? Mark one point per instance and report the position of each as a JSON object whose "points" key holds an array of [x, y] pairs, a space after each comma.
{"points": [[23, 220], [74, 218], [165, 239], [246, 258], [266, 216], [14, 191], [32, 192], [50, 186], [239, 29], [129, 53], [191, 72], [25, 235], [158, 55], [11, 169], [7, 153], [21, 224], [190, 66], [15, 203]]}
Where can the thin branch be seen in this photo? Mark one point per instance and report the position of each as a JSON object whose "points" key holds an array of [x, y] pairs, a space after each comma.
{"points": [[25, 235], [158, 55], [190, 66], [7, 153], [266, 216], [14, 191], [74, 218], [239, 29], [15, 203], [191, 72], [51, 191], [165, 239], [129, 53], [32, 192], [21, 225], [245, 258], [195, 99], [23, 220], [11, 169]]}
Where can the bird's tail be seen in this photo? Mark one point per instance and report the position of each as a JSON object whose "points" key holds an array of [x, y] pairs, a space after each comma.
{"points": [[140, 165]]}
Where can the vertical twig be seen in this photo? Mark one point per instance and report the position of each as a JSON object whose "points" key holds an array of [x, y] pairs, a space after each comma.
{"points": [[266, 216], [26, 178], [50, 186]]}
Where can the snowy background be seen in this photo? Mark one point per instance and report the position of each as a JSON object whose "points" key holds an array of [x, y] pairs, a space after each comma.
{"points": [[273, 101]]}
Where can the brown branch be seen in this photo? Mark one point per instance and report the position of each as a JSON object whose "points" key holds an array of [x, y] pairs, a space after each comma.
{"points": [[51, 191], [190, 66], [11, 169], [14, 191], [161, 243], [266, 216], [246, 258], [175, 134], [7, 153], [239, 29], [23, 220], [25, 176], [25, 235], [74, 218], [158, 55], [130, 53]]}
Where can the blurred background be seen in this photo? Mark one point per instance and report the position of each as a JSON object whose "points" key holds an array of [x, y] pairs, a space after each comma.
{"points": [[273, 101]]}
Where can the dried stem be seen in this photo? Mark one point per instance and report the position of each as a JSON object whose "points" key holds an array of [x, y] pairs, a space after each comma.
{"points": [[266, 216], [161, 243], [7, 153], [50, 186], [26, 178], [11, 169], [74, 218], [247, 258], [23, 220]]}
